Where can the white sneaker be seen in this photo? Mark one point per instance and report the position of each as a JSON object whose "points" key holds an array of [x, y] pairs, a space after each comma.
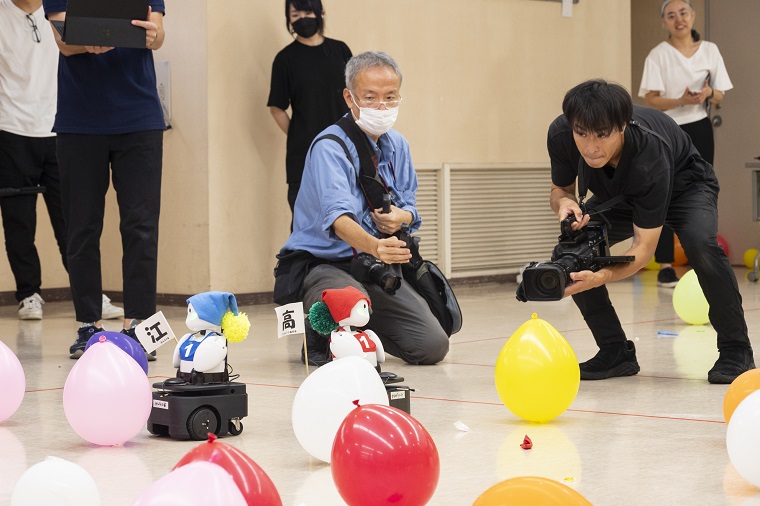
{"points": [[31, 308], [110, 311]]}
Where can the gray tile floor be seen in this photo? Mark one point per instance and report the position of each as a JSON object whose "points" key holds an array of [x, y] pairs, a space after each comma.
{"points": [[656, 438]]}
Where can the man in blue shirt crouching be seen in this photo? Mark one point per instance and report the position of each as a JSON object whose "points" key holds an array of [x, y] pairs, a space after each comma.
{"points": [[335, 222]]}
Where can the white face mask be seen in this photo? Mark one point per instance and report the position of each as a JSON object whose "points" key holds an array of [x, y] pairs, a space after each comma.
{"points": [[375, 121]]}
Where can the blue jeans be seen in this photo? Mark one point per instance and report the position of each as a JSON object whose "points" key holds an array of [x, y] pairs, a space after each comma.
{"points": [[694, 218]]}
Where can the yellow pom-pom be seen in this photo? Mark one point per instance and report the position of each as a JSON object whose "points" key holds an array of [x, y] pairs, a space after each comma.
{"points": [[235, 328]]}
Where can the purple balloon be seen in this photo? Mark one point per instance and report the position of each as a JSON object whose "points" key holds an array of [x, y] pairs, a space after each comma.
{"points": [[126, 343]]}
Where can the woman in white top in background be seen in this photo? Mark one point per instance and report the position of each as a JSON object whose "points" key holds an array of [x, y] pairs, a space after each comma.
{"points": [[682, 75]]}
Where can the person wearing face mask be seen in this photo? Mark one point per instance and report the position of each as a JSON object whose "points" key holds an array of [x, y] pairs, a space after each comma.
{"points": [[335, 221], [682, 76], [307, 76]]}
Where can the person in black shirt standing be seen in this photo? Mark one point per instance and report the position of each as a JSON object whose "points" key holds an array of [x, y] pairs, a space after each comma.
{"points": [[308, 76], [643, 155]]}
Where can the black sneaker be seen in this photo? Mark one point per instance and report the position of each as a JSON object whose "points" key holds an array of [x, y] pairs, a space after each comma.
{"points": [[731, 363], [131, 333], [611, 361], [83, 335], [318, 347], [667, 278]]}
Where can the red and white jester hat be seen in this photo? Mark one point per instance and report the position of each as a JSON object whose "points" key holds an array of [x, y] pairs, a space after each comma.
{"points": [[341, 301]]}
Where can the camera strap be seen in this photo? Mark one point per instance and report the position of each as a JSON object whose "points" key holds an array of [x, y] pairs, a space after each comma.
{"points": [[583, 189], [367, 177]]}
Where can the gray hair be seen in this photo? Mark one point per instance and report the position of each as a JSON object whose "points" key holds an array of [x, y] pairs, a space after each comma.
{"points": [[368, 60], [666, 2]]}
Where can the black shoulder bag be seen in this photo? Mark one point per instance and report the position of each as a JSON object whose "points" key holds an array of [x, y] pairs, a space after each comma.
{"points": [[424, 276]]}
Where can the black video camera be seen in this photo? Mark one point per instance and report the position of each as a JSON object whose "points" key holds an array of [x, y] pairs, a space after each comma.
{"points": [[367, 269], [586, 249]]}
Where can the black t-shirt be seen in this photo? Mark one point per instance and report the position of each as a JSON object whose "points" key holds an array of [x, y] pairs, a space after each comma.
{"points": [[311, 80], [658, 163]]}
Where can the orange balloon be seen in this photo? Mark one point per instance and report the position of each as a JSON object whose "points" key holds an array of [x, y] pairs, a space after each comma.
{"points": [[530, 490], [679, 257], [740, 388]]}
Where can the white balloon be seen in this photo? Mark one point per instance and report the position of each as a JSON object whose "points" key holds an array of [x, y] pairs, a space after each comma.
{"points": [[743, 438], [195, 483], [325, 398], [55, 481]]}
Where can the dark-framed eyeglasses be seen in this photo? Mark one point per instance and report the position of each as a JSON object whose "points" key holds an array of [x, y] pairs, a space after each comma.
{"points": [[35, 31]]}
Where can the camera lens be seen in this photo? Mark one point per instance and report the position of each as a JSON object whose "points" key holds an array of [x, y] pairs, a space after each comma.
{"points": [[390, 283], [548, 281], [381, 275]]}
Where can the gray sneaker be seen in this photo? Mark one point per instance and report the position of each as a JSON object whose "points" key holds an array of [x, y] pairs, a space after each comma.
{"points": [[31, 308], [109, 311], [83, 335]]}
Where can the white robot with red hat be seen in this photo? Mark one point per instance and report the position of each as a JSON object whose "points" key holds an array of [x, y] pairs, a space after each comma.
{"points": [[340, 314]]}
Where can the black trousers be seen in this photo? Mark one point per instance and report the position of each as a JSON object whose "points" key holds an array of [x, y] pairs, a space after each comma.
{"points": [[29, 161], [694, 217], [135, 161], [701, 134]]}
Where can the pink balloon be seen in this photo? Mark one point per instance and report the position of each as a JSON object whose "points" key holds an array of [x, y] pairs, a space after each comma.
{"points": [[13, 382], [194, 483], [107, 397]]}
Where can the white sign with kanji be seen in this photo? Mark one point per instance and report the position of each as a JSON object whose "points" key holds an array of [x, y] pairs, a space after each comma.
{"points": [[290, 319], [154, 332]]}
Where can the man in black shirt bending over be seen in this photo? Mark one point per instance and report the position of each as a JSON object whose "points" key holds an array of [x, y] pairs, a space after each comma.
{"points": [[643, 155]]}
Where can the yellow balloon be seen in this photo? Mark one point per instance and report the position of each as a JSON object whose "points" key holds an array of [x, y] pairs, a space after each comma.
{"points": [[652, 265], [537, 374], [689, 301], [695, 351], [749, 258]]}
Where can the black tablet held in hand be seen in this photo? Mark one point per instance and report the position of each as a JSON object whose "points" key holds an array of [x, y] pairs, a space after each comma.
{"points": [[104, 23]]}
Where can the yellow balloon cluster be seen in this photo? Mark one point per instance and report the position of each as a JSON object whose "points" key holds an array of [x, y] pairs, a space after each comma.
{"points": [[537, 375]]}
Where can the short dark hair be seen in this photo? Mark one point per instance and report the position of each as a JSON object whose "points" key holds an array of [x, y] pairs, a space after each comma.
{"points": [[597, 106], [314, 6]]}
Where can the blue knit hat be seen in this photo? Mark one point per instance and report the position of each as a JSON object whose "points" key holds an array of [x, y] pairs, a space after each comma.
{"points": [[211, 306]]}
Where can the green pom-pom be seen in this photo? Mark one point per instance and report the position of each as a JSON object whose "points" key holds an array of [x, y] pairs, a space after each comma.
{"points": [[321, 320], [235, 327]]}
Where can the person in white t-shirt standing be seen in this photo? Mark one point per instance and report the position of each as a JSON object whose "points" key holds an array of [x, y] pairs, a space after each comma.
{"points": [[28, 86], [682, 77]]}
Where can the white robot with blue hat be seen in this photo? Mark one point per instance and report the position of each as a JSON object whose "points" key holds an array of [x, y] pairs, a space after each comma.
{"points": [[203, 397]]}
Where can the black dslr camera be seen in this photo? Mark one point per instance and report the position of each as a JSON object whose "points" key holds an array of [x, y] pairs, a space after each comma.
{"points": [[367, 269], [586, 249]]}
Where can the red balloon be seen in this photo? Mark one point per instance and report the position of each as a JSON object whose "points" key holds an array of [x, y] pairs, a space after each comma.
{"points": [[723, 244], [253, 482], [381, 456]]}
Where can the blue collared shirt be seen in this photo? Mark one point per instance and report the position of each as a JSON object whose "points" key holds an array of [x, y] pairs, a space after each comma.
{"points": [[329, 190]]}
